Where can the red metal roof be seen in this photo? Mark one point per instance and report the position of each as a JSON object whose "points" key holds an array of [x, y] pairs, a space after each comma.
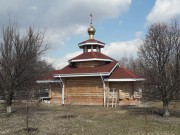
{"points": [[122, 73], [91, 41], [50, 75], [91, 55], [118, 73], [87, 70]]}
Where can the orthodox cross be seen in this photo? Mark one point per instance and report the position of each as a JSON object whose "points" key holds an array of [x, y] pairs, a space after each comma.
{"points": [[91, 17]]}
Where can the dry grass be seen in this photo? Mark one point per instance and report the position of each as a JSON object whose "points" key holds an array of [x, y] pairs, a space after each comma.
{"points": [[48, 119]]}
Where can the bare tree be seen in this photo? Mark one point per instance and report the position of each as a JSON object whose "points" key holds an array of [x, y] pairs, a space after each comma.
{"points": [[131, 63], [19, 56], [160, 60]]}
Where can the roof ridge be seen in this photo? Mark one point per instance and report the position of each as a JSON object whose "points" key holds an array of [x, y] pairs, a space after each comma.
{"points": [[91, 40], [91, 55]]}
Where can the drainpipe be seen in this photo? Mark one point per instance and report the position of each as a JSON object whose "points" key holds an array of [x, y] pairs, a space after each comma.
{"points": [[62, 90], [104, 92]]}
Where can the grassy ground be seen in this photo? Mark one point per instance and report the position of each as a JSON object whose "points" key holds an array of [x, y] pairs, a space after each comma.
{"points": [[45, 119]]}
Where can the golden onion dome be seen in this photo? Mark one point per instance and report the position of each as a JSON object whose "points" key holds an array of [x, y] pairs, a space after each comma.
{"points": [[91, 31]]}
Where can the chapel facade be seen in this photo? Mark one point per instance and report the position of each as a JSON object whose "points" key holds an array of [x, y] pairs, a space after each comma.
{"points": [[92, 78]]}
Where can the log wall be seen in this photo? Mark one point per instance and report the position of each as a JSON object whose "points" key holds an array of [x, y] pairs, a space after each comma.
{"points": [[55, 93], [84, 91], [127, 92], [89, 91], [124, 86]]}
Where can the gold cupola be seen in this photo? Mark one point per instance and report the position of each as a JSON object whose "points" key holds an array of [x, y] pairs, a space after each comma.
{"points": [[91, 29], [91, 45]]}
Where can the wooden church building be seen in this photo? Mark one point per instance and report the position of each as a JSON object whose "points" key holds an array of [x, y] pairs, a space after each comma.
{"points": [[93, 78]]}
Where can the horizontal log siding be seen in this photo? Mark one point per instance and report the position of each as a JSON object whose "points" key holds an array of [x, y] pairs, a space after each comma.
{"points": [[56, 93], [127, 87], [124, 86], [84, 91]]}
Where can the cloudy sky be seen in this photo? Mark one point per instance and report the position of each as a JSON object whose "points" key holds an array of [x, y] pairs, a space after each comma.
{"points": [[121, 24]]}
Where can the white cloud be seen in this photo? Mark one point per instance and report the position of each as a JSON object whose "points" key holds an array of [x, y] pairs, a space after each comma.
{"points": [[115, 50], [164, 10], [34, 8], [59, 63], [81, 29], [62, 19], [118, 50]]}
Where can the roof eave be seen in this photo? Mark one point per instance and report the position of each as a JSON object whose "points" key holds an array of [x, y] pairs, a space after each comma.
{"points": [[93, 59], [82, 74], [48, 81], [87, 74], [125, 80], [91, 43]]}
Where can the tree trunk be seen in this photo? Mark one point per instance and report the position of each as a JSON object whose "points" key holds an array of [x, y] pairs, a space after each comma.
{"points": [[165, 109], [27, 116], [9, 110], [9, 103]]}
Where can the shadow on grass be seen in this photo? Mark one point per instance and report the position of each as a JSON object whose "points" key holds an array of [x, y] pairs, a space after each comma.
{"points": [[25, 131], [31, 129], [4, 114], [68, 116], [134, 110]]}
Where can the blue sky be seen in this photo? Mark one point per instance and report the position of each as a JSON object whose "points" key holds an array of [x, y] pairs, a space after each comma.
{"points": [[121, 24]]}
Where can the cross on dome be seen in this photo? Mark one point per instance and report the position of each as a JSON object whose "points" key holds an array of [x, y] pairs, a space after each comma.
{"points": [[91, 17], [91, 29]]}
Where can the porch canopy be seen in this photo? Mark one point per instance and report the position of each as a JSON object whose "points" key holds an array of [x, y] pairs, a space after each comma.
{"points": [[49, 78]]}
